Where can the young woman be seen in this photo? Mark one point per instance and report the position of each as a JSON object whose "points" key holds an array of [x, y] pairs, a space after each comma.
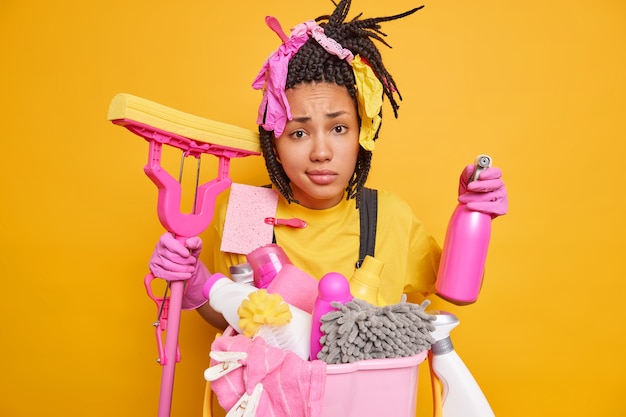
{"points": [[319, 119]]}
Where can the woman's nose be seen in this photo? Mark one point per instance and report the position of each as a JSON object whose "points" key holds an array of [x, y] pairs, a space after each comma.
{"points": [[321, 149]]}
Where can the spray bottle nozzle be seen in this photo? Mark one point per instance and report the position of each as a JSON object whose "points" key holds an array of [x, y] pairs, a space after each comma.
{"points": [[444, 323], [481, 162]]}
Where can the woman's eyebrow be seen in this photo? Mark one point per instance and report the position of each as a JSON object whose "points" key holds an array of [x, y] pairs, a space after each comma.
{"points": [[335, 114], [332, 115]]}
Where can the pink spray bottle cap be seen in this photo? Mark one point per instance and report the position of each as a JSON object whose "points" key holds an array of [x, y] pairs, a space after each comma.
{"points": [[334, 287]]}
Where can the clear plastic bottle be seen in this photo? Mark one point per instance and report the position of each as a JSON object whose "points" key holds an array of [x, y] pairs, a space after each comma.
{"points": [[365, 282]]}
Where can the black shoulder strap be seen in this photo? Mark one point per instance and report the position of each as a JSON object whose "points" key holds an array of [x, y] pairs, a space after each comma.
{"points": [[368, 211]]}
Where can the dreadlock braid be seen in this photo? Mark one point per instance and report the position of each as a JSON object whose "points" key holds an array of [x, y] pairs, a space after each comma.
{"points": [[357, 36], [312, 64], [274, 168]]}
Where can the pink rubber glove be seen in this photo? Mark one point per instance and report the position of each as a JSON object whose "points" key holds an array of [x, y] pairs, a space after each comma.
{"points": [[274, 110], [173, 261], [487, 194]]}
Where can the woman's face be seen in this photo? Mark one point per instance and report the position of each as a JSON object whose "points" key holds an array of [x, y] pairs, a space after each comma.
{"points": [[319, 147]]}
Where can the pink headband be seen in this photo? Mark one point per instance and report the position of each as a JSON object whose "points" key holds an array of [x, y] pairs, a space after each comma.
{"points": [[274, 110]]}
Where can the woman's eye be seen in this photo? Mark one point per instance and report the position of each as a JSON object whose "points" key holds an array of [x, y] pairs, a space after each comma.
{"points": [[298, 134], [339, 129]]}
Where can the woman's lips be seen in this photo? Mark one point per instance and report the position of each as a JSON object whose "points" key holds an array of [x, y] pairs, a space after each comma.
{"points": [[322, 177]]}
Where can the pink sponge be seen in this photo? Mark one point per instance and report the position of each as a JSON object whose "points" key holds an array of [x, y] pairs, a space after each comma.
{"points": [[244, 227]]}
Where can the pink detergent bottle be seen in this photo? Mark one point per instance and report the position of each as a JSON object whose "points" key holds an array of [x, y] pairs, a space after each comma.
{"points": [[465, 250], [332, 287], [266, 262]]}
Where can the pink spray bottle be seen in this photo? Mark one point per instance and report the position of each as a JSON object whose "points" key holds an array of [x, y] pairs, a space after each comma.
{"points": [[465, 250]]}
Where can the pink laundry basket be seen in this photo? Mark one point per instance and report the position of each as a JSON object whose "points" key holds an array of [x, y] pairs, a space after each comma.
{"points": [[372, 388]]}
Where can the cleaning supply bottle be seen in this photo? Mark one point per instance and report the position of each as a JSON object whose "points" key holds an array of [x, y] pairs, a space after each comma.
{"points": [[226, 296], [365, 282], [465, 250], [332, 287], [266, 262], [461, 396]]}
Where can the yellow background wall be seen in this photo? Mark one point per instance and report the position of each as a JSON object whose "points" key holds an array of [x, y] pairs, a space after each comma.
{"points": [[540, 86]]}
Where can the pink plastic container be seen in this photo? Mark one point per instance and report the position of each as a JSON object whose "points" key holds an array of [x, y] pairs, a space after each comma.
{"points": [[372, 388]]}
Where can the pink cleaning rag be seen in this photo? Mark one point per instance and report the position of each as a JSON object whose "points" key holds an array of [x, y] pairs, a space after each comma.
{"points": [[292, 387], [295, 286]]}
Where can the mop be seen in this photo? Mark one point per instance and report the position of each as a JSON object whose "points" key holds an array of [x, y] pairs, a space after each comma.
{"points": [[161, 125]]}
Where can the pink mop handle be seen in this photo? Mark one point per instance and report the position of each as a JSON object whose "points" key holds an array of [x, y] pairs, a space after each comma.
{"points": [[181, 225], [171, 347]]}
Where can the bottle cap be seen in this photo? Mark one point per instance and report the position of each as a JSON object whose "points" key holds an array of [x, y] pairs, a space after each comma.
{"points": [[206, 288], [334, 287], [372, 265], [242, 273]]}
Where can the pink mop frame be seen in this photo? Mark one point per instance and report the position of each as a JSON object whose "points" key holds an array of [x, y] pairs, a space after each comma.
{"points": [[182, 226]]}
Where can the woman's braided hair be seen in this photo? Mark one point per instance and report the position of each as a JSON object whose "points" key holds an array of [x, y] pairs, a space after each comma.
{"points": [[312, 64]]}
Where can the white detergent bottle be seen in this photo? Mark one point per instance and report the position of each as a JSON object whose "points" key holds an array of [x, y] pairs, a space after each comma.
{"points": [[461, 396], [225, 296]]}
